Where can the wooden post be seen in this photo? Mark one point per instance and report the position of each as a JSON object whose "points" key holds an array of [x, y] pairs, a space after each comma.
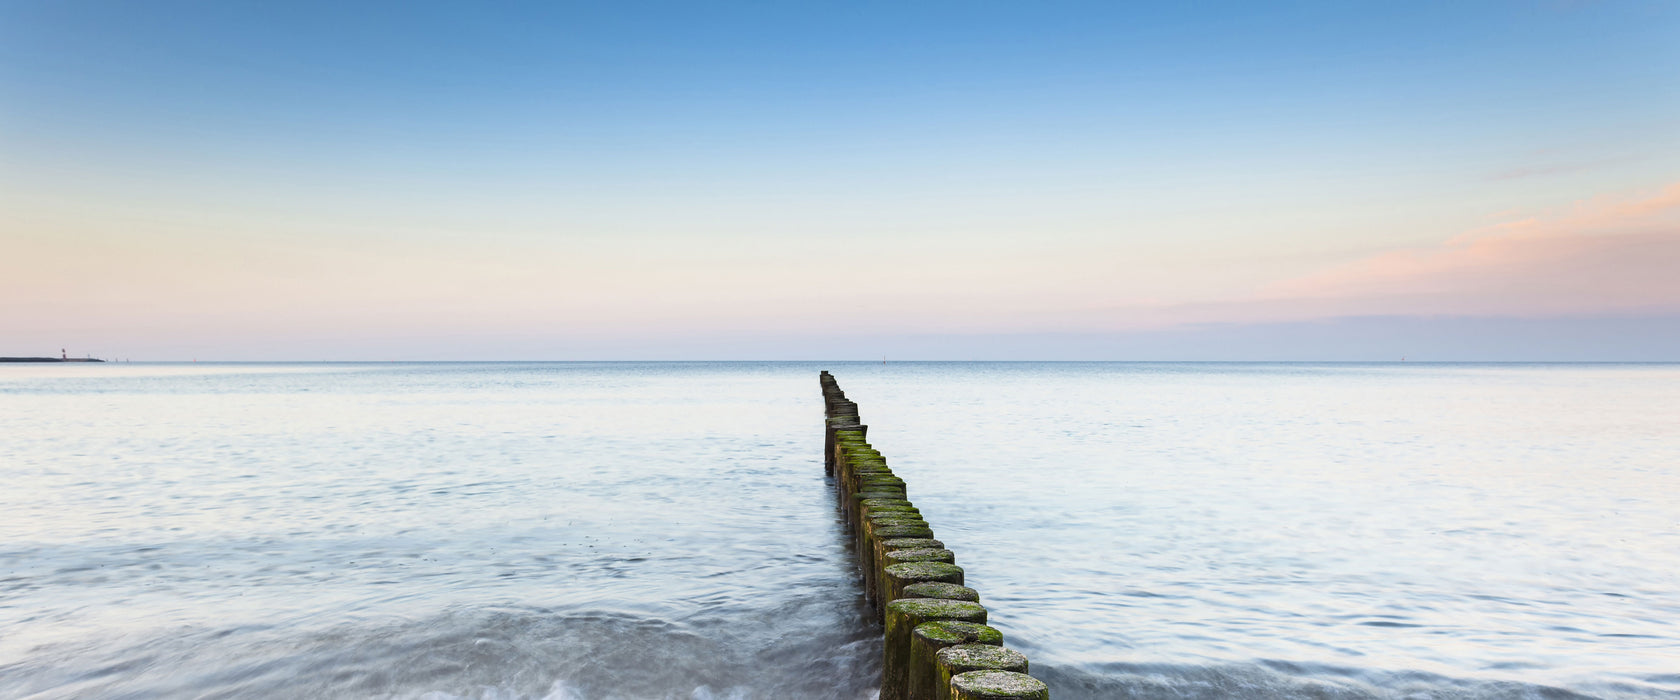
{"points": [[962, 658], [929, 638], [997, 685], [903, 616]]}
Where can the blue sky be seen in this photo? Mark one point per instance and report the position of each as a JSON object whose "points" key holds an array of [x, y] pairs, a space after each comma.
{"points": [[567, 181]]}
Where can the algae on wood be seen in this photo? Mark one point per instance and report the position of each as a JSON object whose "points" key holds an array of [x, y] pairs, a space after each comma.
{"points": [[962, 658]]}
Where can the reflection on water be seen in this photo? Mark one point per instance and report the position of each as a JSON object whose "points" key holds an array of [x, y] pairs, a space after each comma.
{"points": [[663, 530]]}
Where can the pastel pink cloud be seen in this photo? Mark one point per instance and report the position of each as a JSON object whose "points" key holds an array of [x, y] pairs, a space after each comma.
{"points": [[1601, 256]]}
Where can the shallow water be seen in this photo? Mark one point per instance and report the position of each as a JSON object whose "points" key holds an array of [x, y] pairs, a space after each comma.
{"points": [[663, 530], [1307, 530]]}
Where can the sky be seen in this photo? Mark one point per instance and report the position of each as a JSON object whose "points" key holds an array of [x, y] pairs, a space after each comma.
{"points": [[784, 180]]}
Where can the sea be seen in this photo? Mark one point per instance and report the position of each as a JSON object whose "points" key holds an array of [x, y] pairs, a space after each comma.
{"points": [[565, 531]]}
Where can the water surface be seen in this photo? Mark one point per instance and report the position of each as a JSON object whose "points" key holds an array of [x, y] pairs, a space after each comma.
{"points": [[646, 530]]}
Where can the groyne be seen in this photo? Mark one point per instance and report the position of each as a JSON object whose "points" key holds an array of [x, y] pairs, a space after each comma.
{"points": [[936, 643]]}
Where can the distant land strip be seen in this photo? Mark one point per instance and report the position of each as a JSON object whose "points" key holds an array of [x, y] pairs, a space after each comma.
{"points": [[49, 359]]}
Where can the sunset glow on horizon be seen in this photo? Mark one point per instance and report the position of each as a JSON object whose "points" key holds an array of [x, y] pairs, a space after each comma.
{"points": [[934, 181]]}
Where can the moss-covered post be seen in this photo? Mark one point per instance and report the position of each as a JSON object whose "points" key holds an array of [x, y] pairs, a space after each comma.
{"points": [[962, 658], [936, 643], [879, 520], [906, 556], [902, 555], [852, 512], [938, 589], [997, 685], [894, 578], [839, 414], [864, 467], [880, 506], [869, 550], [930, 637], [864, 507], [897, 494], [904, 616], [872, 574], [842, 430]]}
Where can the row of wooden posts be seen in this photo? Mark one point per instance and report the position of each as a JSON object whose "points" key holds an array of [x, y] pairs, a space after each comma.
{"points": [[937, 644]]}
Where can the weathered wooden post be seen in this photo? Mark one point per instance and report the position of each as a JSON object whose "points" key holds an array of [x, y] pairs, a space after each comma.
{"points": [[962, 658], [894, 578], [929, 638], [891, 556], [870, 551], [939, 589], [903, 616], [936, 643], [997, 685]]}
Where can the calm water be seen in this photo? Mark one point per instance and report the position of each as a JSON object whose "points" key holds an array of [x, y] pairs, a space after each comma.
{"points": [[664, 531]]}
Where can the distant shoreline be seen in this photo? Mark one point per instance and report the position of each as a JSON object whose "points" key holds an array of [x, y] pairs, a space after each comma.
{"points": [[49, 359]]}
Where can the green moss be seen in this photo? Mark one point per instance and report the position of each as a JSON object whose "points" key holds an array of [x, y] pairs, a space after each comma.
{"points": [[902, 616], [940, 589], [905, 556], [912, 543], [945, 633], [883, 492], [897, 531], [928, 638], [998, 685], [875, 527], [925, 609], [963, 658], [924, 571]]}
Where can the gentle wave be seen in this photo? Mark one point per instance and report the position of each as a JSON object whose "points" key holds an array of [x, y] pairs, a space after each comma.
{"points": [[467, 654]]}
